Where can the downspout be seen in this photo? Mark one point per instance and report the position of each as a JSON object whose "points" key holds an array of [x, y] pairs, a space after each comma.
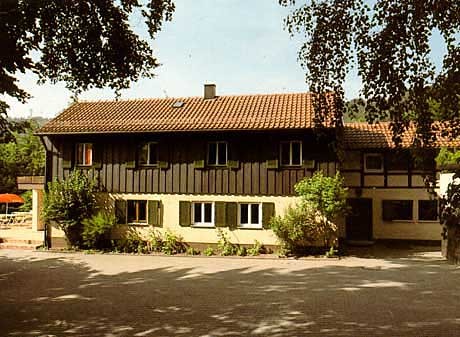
{"points": [[46, 239]]}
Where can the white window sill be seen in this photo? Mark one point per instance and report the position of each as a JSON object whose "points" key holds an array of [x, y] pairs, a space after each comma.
{"points": [[203, 225], [250, 227]]}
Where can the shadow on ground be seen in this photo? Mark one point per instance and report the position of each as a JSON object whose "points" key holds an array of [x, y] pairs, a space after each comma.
{"points": [[63, 296]]}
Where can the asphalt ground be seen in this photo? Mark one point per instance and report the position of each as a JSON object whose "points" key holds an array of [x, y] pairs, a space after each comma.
{"points": [[73, 294]]}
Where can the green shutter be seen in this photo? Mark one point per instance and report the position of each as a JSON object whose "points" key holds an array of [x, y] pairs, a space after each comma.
{"points": [[154, 213], [163, 165], [163, 155], [272, 164], [268, 211], [233, 164], [97, 156], [220, 217], [232, 215], [199, 164], [185, 216], [67, 155], [308, 163], [120, 211]]}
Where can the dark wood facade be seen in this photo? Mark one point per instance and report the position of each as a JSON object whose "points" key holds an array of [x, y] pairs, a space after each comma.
{"points": [[116, 171]]}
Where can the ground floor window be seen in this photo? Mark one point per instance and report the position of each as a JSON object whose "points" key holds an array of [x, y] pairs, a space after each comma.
{"points": [[250, 215], [397, 210], [203, 214], [428, 210], [137, 211]]}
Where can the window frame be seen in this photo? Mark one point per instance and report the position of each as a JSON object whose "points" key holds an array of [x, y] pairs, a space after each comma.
{"points": [[410, 202], [290, 142], [370, 170], [249, 224], [216, 162], [157, 162], [419, 208], [83, 162], [137, 221], [203, 224]]}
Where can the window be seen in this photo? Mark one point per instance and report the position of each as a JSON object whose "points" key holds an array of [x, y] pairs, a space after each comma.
{"points": [[398, 161], [428, 210], [250, 216], [203, 214], [217, 153], [84, 154], [397, 210], [373, 162], [291, 153], [148, 154], [137, 211]]}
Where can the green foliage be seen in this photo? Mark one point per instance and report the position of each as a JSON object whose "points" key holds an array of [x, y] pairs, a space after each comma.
{"points": [[311, 221], [172, 244], [97, 230], [256, 249], [447, 157], [209, 251], [68, 202], [23, 156], [388, 42], [58, 35], [241, 251], [224, 245], [27, 205], [154, 240], [192, 251]]}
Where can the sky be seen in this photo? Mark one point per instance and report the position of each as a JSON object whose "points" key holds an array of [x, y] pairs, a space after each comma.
{"points": [[238, 45]]}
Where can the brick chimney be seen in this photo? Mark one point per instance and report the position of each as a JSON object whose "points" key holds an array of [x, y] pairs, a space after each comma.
{"points": [[209, 91]]}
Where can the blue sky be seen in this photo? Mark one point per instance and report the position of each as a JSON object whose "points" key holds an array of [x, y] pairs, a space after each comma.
{"points": [[239, 45]]}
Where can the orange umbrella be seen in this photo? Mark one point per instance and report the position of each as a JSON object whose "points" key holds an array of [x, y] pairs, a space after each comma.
{"points": [[8, 198]]}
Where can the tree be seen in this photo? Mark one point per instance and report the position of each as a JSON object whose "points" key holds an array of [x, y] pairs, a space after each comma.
{"points": [[389, 44], [87, 44], [25, 156]]}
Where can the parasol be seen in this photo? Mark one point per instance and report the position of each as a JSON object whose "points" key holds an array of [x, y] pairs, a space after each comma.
{"points": [[8, 198]]}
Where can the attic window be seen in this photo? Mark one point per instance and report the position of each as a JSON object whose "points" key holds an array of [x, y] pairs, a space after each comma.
{"points": [[178, 104]]}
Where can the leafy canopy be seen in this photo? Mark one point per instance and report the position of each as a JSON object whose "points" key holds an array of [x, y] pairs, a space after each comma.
{"points": [[86, 44], [389, 43]]}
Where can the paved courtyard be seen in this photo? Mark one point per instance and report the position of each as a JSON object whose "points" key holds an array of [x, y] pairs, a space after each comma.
{"points": [[57, 294]]}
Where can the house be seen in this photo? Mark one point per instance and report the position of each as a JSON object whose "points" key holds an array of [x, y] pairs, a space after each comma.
{"points": [[195, 164]]}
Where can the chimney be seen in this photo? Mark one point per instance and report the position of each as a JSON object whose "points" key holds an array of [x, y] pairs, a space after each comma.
{"points": [[209, 91]]}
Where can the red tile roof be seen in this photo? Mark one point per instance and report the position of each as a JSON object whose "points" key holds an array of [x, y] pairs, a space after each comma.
{"points": [[245, 112], [379, 135]]}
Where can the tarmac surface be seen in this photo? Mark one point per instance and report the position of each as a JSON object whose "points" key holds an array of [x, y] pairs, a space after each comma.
{"points": [[410, 293]]}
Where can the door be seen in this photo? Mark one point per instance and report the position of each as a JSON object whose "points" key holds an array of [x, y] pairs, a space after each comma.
{"points": [[359, 220]]}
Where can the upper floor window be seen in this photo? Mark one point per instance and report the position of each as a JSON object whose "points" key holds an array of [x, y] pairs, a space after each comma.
{"points": [[250, 215], [84, 154], [148, 154], [217, 153], [291, 153], [203, 214], [373, 162], [428, 210], [137, 211]]}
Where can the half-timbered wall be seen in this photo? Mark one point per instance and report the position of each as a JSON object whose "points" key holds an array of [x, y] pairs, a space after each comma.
{"points": [[179, 153]]}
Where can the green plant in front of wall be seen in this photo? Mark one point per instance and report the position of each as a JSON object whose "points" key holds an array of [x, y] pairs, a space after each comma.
{"points": [[209, 251], [172, 244], [256, 249], [241, 251], [311, 222], [68, 202], [133, 242], [447, 157], [97, 230], [224, 245], [154, 240], [192, 251]]}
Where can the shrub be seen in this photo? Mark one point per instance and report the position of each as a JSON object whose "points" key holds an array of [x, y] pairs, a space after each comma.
{"points": [[311, 221], [97, 230], [154, 241], [133, 242], [192, 251], [68, 202], [241, 251], [172, 244], [256, 249], [224, 245], [209, 251], [27, 205], [447, 157]]}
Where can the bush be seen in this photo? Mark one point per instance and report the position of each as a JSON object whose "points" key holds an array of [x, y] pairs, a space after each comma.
{"points": [[224, 245], [133, 242], [97, 230], [27, 205], [447, 157], [311, 221], [68, 202], [256, 249], [192, 251], [154, 241], [209, 251], [172, 244]]}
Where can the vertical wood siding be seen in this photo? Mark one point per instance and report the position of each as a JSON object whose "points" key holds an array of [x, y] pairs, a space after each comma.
{"points": [[181, 177]]}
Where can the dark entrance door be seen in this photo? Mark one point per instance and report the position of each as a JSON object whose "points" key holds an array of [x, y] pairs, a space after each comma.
{"points": [[359, 220]]}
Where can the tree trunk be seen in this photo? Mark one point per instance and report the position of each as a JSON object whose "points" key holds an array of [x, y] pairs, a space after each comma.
{"points": [[453, 244]]}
